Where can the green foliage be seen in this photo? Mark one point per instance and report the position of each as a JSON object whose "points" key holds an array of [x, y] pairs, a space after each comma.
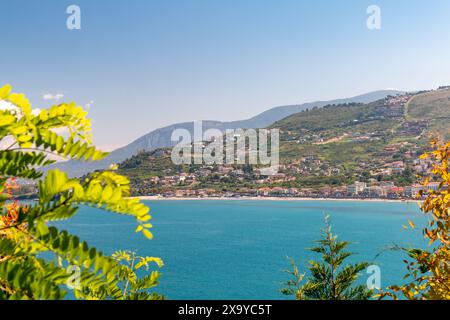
{"points": [[294, 286], [134, 287], [329, 278], [428, 269], [322, 118], [26, 237]]}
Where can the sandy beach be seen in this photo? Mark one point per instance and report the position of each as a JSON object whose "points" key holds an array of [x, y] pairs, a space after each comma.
{"points": [[156, 198]]}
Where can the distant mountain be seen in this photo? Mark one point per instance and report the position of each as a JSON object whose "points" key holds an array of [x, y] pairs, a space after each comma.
{"points": [[161, 138]]}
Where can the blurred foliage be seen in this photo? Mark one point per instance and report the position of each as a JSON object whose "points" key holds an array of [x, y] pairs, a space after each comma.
{"points": [[32, 138], [428, 270]]}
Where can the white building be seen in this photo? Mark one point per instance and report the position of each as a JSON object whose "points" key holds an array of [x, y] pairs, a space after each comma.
{"points": [[356, 188]]}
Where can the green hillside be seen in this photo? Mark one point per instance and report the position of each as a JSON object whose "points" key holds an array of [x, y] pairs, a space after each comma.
{"points": [[434, 107], [330, 146], [348, 134]]}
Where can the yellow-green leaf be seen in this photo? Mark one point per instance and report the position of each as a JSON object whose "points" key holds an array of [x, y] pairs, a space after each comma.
{"points": [[6, 120], [147, 234], [20, 101], [4, 91]]}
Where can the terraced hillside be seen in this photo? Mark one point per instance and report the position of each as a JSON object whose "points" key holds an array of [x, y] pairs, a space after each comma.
{"points": [[434, 108], [346, 135]]}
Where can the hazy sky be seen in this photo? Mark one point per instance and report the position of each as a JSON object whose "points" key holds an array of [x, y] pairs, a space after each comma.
{"points": [[143, 64]]}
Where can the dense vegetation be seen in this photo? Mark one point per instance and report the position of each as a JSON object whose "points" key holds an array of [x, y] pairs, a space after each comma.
{"points": [[37, 260], [428, 270]]}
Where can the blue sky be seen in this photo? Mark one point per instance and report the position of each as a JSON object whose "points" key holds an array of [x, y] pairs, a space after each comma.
{"points": [[143, 64]]}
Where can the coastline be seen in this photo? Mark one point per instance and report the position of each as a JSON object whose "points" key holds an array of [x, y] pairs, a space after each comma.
{"points": [[156, 198]]}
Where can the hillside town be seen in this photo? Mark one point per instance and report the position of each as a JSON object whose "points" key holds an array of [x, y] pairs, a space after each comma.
{"points": [[358, 190], [232, 182]]}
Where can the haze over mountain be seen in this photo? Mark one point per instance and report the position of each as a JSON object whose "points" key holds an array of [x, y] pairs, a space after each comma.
{"points": [[161, 138]]}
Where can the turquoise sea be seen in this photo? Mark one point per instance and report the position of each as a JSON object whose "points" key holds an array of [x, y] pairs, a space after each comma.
{"points": [[238, 249]]}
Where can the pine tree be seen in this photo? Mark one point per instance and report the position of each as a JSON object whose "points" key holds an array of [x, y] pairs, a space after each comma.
{"points": [[329, 278]]}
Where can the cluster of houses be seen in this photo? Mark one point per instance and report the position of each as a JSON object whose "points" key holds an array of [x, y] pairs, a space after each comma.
{"points": [[358, 190], [290, 172], [190, 184], [387, 190], [172, 180], [21, 188]]}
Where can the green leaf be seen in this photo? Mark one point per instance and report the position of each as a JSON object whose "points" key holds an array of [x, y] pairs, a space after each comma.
{"points": [[4, 91], [147, 234], [6, 120]]}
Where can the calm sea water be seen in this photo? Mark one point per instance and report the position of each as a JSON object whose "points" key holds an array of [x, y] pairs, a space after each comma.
{"points": [[238, 249]]}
